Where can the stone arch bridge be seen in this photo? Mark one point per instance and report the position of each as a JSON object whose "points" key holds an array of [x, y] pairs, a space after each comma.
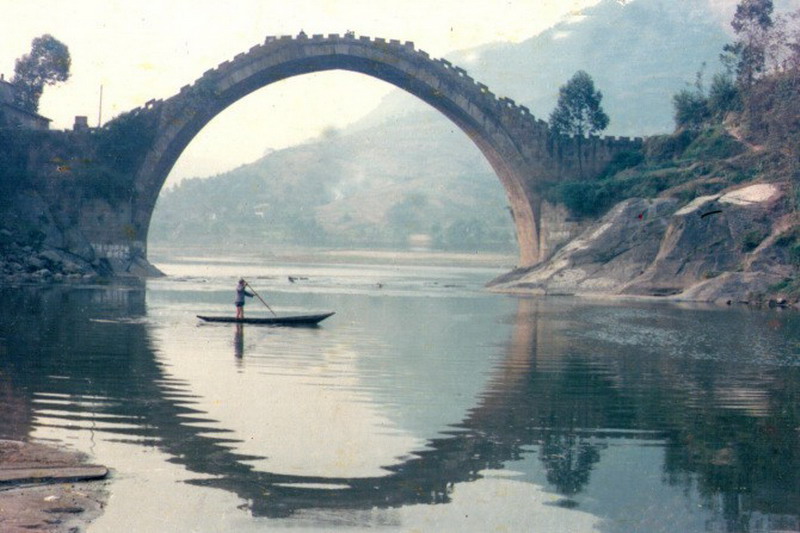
{"points": [[519, 147]]}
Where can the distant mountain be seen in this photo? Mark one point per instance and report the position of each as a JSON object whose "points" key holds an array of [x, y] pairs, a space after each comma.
{"points": [[639, 54], [405, 171]]}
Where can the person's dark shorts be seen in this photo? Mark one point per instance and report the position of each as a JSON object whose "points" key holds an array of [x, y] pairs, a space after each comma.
{"points": [[239, 304]]}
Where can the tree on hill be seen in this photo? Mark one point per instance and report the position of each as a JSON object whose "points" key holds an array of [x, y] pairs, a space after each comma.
{"points": [[691, 106], [47, 64], [578, 111], [747, 56], [766, 47]]}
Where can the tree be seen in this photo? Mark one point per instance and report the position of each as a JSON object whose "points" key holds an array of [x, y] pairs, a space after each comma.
{"points": [[783, 46], [47, 64], [723, 96], [578, 111], [691, 109], [691, 105], [747, 56]]}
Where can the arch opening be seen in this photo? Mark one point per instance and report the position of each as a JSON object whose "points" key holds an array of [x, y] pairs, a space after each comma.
{"points": [[446, 196], [216, 91]]}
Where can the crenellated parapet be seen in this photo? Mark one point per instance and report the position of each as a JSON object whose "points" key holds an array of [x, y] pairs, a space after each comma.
{"points": [[519, 146]]}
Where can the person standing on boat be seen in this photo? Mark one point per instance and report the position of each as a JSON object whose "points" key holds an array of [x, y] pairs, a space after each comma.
{"points": [[241, 292]]}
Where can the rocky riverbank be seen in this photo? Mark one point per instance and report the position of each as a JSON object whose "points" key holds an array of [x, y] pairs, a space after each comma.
{"points": [[738, 246], [43, 488], [24, 264]]}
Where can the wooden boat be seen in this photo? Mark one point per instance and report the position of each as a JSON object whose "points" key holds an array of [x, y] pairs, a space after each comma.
{"points": [[287, 320]]}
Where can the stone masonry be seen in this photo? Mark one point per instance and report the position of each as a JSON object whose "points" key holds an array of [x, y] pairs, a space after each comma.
{"points": [[520, 148]]}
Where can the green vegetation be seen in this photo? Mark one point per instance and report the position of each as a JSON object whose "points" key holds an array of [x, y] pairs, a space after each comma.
{"points": [[122, 143], [691, 107], [747, 55], [683, 165], [103, 162], [118, 149], [790, 241], [752, 239], [47, 64], [756, 100], [578, 111]]}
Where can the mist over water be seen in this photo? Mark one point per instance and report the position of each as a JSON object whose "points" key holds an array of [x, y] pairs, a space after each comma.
{"points": [[424, 403]]}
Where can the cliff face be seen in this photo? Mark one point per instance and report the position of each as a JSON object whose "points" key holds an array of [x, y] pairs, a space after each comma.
{"points": [[51, 192], [39, 242], [732, 246]]}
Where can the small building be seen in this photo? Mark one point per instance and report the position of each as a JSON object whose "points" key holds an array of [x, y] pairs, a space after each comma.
{"points": [[15, 115], [81, 123]]}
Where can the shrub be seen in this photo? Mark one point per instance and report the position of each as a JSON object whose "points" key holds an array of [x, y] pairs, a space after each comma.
{"points": [[723, 96], [123, 142], [666, 147], [583, 198], [770, 112], [752, 239], [713, 143], [622, 161], [691, 109]]}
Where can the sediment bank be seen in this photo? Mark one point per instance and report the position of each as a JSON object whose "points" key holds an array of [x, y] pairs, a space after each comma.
{"points": [[44, 488]]}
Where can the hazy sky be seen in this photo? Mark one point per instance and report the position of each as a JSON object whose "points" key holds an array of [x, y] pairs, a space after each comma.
{"points": [[141, 49]]}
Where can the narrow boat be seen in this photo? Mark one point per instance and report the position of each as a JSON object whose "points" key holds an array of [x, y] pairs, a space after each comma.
{"points": [[288, 320]]}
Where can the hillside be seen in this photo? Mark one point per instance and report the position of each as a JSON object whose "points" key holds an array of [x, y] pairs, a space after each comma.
{"points": [[405, 170], [360, 189], [707, 214]]}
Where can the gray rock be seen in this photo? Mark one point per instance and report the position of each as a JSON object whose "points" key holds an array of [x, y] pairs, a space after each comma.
{"points": [[35, 263], [51, 256], [605, 257], [729, 286], [77, 244], [714, 249], [71, 267]]}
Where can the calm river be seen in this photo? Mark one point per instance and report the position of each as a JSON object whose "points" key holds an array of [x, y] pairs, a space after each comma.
{"points": [[423, 404]]}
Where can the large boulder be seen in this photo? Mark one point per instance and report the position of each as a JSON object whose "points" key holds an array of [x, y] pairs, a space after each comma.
{"points": [[726, 247], [605, 257]]}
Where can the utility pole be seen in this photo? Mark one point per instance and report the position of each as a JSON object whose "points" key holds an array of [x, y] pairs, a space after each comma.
{"points": [[100, 108]]}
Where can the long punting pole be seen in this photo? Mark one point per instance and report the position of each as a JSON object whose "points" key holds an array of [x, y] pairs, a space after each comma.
{"points": [[260, 298]]}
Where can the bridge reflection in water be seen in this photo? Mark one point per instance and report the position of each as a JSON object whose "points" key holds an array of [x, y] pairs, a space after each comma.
{"points": [[84, 359]]}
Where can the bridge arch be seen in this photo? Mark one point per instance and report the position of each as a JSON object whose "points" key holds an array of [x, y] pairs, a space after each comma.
{"points": [[446, 88], [517, 146]]}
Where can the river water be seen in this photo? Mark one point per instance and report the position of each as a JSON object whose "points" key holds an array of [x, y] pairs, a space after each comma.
{"points": [[423, 404]]}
